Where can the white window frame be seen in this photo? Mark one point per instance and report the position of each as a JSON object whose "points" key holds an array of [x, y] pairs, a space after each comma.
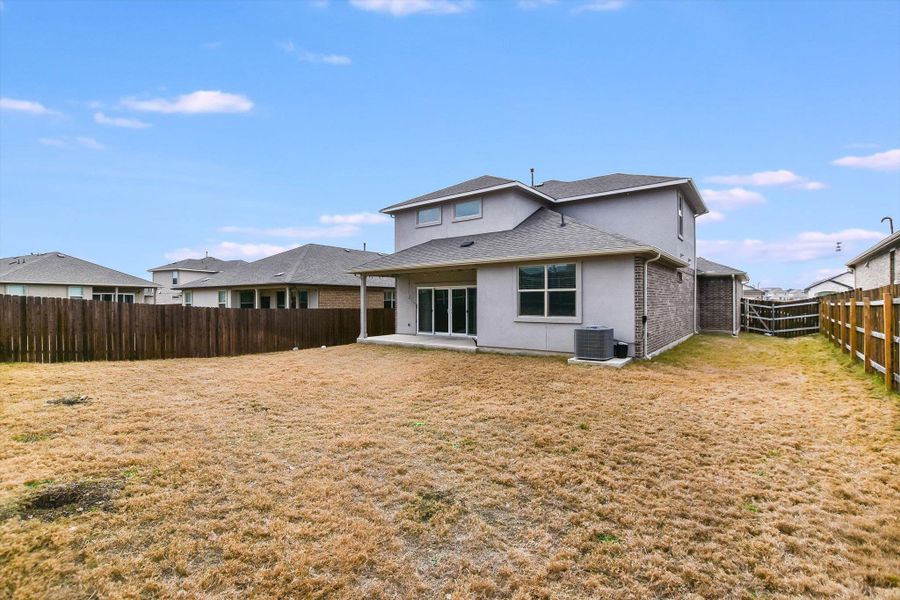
{"points": [[390, 299], [15, 289], [122, 295], [440, 212], [79, 295], [219, 296], [457, 218], [679, 217], [548, 319], [174, 277], [187, 298]]}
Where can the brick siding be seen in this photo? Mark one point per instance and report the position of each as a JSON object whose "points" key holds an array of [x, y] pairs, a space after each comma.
{"points": [[670, 306], [348, 297], [715, 303]]}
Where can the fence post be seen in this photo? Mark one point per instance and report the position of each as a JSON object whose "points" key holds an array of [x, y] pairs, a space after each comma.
{"points": [[867, 336], [852, 329], [888, 339], [843, 316]]}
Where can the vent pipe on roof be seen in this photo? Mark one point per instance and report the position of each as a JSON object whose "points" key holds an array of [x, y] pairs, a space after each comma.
{"points": [[364, 246], [532, 176]]}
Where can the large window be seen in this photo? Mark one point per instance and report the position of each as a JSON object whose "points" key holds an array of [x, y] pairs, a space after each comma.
{"points": [[280, 298], [547, 290], [76, 292], [390, 298], [680, 216], [303, 299], [223, 298], [248, 299], [470, 209], [429, 216], [15, 289]]}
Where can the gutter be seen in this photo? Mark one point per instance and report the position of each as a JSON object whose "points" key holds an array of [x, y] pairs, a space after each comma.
{"points": [[644, 316]]}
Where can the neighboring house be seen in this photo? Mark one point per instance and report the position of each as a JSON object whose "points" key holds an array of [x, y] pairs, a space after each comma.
{"points": [[752, 292], [877, 266], [516, 267], [842, 282], [311, 276], [57, 275], [719, 293], [783, 295], [185, 271]]}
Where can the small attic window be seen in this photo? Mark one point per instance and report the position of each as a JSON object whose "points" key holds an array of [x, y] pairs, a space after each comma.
{"points": [[467, 244]]}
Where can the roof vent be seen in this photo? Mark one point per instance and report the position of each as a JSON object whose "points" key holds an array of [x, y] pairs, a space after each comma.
{"points": [[346, 249], [467, 244], [279, 274]]}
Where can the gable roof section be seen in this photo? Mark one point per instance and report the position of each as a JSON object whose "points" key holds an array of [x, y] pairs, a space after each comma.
{"points": [[540, 236], [311, 264], [208, 264], [833, 278], [709, 268], [890, 241], [554, 191], [55, 268]]}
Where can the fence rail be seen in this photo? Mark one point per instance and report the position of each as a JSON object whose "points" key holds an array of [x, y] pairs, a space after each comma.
{"points": [[864, 324], [36, 329], [782, 319]]}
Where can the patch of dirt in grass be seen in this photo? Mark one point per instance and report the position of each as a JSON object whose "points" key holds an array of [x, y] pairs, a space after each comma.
{"points": [[52, 501], [69, 400]]}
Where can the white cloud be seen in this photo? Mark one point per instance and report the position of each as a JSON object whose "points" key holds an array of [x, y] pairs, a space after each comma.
{"points": [[732, 198], [533, 4], [781, 177], [212, 45], [888, 160], [63, 142], [89, 142], [102, 119], [402, 8], [315, 57], [202, 101], [229, 250], [713, 216], [600, 6], [54, 142], [26, 106], [809, 245], [333, 231], [361, 218]]}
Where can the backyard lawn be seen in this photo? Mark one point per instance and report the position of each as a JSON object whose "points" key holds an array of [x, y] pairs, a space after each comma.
{"points": [[750, 468]]}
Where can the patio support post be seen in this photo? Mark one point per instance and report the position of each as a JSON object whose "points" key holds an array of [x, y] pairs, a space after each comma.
{"points": [[287, 297], [255, 297], [362, 307]]}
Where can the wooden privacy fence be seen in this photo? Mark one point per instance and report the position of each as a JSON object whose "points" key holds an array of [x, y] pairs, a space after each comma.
{"points": [[58, 329], [783, 319], [864, 324]]}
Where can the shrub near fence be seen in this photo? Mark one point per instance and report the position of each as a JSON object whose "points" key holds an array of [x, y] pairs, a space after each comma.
{"points": [[58, 329], [864, 323]]}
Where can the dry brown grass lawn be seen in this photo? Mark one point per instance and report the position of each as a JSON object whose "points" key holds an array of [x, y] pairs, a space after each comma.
{"points": [[729, 468]]}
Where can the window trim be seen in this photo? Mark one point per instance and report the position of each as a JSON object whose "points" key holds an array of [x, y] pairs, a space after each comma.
{"points": [[449, 289], [175, 277], [187, 298], [80, 296], [457, 219], [440, 218], [252, 302], [10, 286], [548, 319], [390, 299], [679, 217], [221, 303]]}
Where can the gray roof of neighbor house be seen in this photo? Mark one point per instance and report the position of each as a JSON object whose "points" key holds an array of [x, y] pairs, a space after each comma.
{"points": [[312, 264], [541, 236], [553, 190], [61, 269], [209, 264], [711, 269], [833, 278], [882, 246]]}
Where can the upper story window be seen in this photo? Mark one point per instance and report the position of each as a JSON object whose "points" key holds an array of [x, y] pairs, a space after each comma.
{"points": [[429, 216], [470, 209], [15, 289], [680, 216], [548, 290], [174, 277], [76, 292]]}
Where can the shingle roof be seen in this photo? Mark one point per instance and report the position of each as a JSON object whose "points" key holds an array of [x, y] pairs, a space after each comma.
{"points": [[471, 185], [62, 269], [312, 264], [882, 246], [209, 263], [710, 268], [541, 235], [600, 185], [833, 278]]}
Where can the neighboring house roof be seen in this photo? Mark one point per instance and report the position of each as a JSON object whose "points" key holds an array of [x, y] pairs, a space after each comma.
{"points": [[540, 236], [208, 264], [885, 244], [709, 268], [554, 191], [312, 264], [55, 268], [833, 279]]}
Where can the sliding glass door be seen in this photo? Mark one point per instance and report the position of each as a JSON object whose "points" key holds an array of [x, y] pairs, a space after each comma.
{"points": [[447, 310]]}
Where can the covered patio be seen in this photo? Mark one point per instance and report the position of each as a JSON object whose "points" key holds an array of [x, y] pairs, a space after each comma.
{"points": [[459, 344]]}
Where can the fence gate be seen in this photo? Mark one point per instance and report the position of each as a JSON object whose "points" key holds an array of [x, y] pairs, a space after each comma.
{"points": [[782, 319]]}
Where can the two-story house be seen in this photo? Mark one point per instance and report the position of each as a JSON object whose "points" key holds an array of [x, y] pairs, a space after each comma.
{"points": [[184, 271], [517, 267]]}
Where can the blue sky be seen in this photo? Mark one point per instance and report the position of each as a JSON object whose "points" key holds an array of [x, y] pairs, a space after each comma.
{"points": [[135, 133]]}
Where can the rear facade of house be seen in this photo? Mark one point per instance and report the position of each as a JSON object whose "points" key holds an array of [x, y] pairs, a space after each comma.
{"points": [[517, 267], [877, 266]]}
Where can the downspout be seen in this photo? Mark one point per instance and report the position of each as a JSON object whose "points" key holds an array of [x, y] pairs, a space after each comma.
{"points": [[644, 307], [734, 307], [694, 227]]}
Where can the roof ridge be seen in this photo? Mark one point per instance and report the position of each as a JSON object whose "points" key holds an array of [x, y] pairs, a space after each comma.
{"points": [[569, 220]]}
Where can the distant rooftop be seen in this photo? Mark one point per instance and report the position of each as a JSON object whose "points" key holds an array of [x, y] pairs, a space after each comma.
{"points": [[62, 269], [208, 264]]}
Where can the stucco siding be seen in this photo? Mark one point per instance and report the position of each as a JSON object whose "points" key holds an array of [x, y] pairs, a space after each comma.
{"points": [[500, 211], [62, 291]]}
